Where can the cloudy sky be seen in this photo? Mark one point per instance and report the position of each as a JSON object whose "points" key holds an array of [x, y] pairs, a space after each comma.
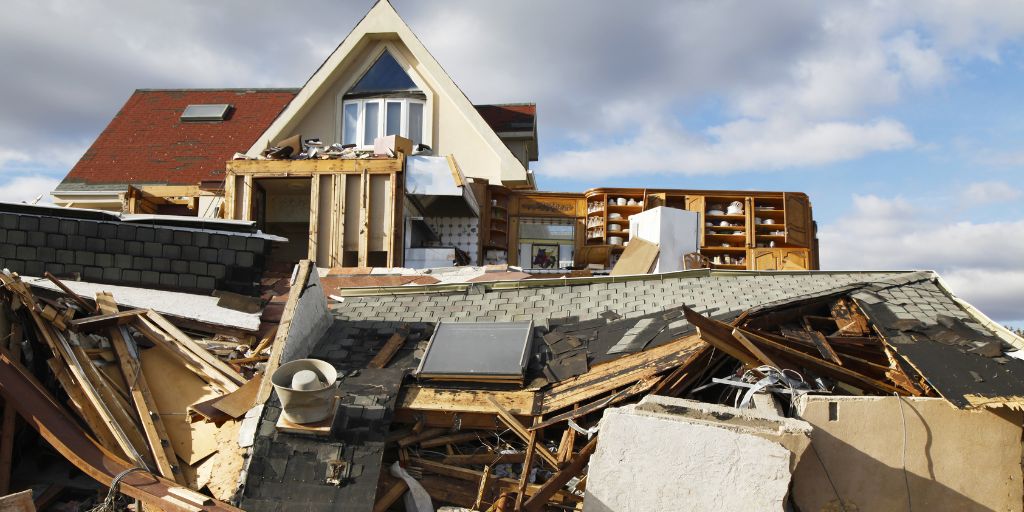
{"points": [[902, 120]]}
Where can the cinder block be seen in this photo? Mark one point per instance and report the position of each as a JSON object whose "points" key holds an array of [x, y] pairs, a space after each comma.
{"points": [[226, 257], [36, 238], [57, 240], [179, 266], [115, 245], [164, 236], [88, 228], [152, 249], [245, 259], [68, 227], [28, 223], [150, 277], [208, 254], [15, 265], [104, 260], [216, 271], [111, 274], [107, 230], [133, 247], [123, 261], [53, 268], [17, 237], [169, 280], [171, 251], [8, 251], [92, 273], [206, 283], [142, 263], [49, 224], [236, 243], [126, 232], [197, 267], [131, 276], [190, 252], [72, 268], [186, 280], [161, 264], [255, 244], [95, 244], [34, 268], [201, 238], [46, 254], [9, 220], [65, 256], [183, 237], [145, 234], [76, 242], [218, 241], [85, 258], [3, 236], [26, 253]]}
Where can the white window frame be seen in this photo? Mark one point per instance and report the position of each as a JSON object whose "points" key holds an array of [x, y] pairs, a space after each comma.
{"points": [[381, 118]]}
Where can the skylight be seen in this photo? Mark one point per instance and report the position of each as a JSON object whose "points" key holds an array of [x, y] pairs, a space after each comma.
{"points": [[214, 112]]}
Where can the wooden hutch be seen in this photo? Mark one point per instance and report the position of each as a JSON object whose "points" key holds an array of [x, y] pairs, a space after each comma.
{"points": [[739, 230]]}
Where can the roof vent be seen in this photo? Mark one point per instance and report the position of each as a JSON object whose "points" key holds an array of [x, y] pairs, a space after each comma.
{"points": [[216, 112]]}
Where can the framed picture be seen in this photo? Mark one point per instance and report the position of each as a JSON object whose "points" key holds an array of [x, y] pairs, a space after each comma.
{"points": [[544, 256]]}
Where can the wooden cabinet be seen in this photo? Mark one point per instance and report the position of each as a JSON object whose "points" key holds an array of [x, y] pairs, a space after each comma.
{"points": [[780, 258], [797, 213]]}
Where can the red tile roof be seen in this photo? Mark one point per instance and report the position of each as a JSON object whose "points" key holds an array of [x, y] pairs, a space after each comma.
{"points": [[147, 143], [515, 117]]}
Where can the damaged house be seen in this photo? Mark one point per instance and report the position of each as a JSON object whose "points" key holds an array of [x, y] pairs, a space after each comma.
{"points": [[352, 296]]}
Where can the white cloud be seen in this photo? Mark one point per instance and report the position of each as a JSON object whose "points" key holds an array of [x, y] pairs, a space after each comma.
{"points": [[27, 188], [990, 192], [744, 145], [982, 261]]}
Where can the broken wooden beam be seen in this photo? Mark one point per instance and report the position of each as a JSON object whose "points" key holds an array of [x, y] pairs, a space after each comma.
{"points": [[558, 480], [389, 349]]}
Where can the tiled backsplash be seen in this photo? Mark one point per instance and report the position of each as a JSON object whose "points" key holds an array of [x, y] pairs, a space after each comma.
{"points": [[461, 232]]}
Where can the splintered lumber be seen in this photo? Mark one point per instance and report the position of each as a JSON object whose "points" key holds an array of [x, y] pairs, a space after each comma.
{"points": [[7, 434], [624, 371], [484, 459], [421, 436], [266, 341], [17, 502], [189, 359], [824, 347], [189, 344], [238, 402], [461, 437], [92, 323], [470, 475], [70, 293], [850, 321], [524, 477], [558, 480], [84, 407], [418, 398], [719, 335], [481, 491], [152, 424], [43, 414], [391, 495], [389, 349], [527, 436]]}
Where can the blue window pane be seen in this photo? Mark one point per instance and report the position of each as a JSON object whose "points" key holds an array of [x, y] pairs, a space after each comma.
{"points": [[371, 123], [386, 75], [415, 122], [393, 124], [350, 128]]}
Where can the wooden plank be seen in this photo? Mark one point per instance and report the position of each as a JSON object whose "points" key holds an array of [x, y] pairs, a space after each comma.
{"points": [[526, 435], [338, 244], [187, 358], [70, 293], [138, 387], [638, 258], [460, 437], [314, 217], [364, 218], [486, 459], [850, 321], [238, 402], [7, 431], [393, 493], [92, 323], [84, 407], [824, 347], [524, 476], [420, 398], [389, 349], [17, 502], [470, 475], [190, 345], [421, 436], [754, 349], [264, 168], [720, 335], [558, 480]]}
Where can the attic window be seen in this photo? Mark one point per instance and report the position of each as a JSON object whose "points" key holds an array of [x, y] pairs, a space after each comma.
{"points": [[386, 75], [211, 112]]}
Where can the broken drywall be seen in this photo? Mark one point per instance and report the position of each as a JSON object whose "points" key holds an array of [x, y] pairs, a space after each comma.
{"points": [[310, 318], [674, 454], [955, 459]]}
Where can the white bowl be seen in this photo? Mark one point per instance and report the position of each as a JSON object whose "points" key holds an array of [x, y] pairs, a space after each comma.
{"points": [[615, 240], [614, 215], [769, 221], [716, 212], [614, 227]]}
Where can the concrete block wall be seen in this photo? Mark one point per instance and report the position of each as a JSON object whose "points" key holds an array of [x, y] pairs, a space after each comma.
{"points": [[133, 254]]}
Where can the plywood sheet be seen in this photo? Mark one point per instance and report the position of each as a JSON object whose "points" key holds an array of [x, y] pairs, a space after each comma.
{"points": [[638, 258]]}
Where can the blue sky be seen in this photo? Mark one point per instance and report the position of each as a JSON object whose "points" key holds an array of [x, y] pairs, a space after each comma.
{"points": [[902, 121]]}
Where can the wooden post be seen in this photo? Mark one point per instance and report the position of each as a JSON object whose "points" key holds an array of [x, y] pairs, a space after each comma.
{"points": [[7, 432]]}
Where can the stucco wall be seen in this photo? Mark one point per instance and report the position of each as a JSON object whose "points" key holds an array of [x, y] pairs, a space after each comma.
{"points": [[956, 460]]}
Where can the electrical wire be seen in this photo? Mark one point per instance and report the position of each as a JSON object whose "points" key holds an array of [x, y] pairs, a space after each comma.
{"points": [[906, 478]]}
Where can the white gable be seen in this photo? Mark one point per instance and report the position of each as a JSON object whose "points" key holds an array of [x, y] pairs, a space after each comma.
{"points": [[454, 127]]}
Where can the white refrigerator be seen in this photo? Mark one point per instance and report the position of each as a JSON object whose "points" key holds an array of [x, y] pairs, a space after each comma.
{"points": [[675, 231]]}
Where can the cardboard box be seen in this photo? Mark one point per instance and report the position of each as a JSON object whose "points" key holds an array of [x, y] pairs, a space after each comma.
{"points": [[391, 145]]}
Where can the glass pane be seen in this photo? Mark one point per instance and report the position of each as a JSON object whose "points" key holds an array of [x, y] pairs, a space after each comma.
{"points": [[371, 122], [546, 231], [386, 75], [394, 118], [415, 122], [350, 128]]}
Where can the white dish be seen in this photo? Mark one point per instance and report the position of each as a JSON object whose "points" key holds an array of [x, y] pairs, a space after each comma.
{"points": [[614, 215], [614, 227], [622, 201], [769, 221], [615, 240], [716, 212]]}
